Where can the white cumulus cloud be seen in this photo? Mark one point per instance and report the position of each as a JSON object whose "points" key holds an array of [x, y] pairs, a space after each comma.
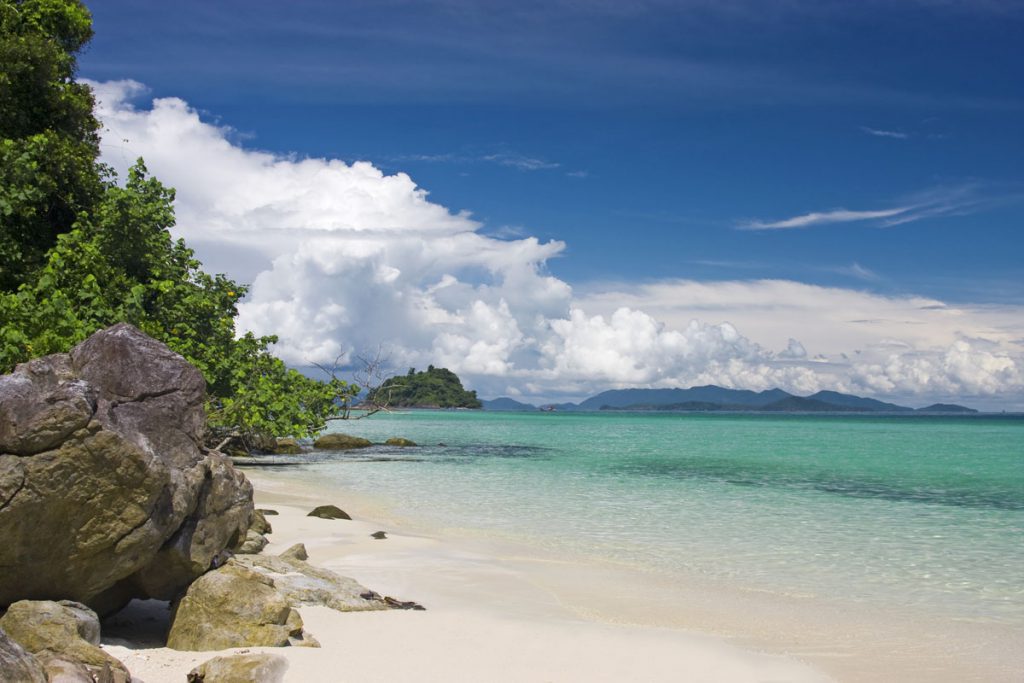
{"points": [[344, 259]]}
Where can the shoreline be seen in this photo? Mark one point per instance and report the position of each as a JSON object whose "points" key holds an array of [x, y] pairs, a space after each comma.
{"points": [[486, 618], [475, 585], [840, 638]]}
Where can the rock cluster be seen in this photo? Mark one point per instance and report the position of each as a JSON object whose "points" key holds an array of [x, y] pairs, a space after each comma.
{"points": [[106, 492], [252, 600]]}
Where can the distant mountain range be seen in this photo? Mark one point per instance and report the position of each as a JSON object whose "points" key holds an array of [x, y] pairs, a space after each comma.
{"points": [[711, 398]]}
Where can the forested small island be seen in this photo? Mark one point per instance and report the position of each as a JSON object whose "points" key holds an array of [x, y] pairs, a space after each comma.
{"points": [[433, 388]]}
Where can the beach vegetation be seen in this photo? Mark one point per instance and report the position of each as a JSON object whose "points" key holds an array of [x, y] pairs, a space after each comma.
{"points": [[81, 252], [49, 139]]}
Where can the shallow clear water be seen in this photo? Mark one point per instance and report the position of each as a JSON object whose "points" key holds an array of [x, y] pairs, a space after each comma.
{"points": [[924, 512]]}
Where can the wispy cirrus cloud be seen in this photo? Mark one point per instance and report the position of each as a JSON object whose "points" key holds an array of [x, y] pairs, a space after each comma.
{"points": [[520, 162], [858, 271], [880, 133], [947, 200], [814, 218]]}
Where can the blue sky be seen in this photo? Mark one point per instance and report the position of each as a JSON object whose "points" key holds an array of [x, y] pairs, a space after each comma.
{"points": [[871, 147]]}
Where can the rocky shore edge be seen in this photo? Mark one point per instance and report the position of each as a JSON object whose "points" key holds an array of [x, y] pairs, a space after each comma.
{"points": [[107, 495]]}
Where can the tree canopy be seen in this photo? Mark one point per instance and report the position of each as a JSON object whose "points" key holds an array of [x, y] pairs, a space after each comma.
{"points": [[433, 388], [80, 252], [49, 139]]}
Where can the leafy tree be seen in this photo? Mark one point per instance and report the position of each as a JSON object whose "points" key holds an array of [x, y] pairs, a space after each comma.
{"points": [[79, 253], [49, 139], [123, 265], [435, 388]]}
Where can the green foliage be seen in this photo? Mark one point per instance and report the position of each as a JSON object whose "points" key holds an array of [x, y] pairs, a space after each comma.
{"points": [[123, 265], [78, 253], [435, 388], [48, 133]]}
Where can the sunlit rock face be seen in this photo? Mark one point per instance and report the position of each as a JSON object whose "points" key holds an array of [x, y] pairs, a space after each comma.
{"points": [[106, 492]]}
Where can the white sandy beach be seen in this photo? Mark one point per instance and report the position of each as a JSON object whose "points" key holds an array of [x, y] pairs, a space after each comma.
{"points": [[496, 612], [485, 620]]}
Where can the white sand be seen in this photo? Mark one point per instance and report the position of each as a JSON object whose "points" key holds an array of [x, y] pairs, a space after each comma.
{"points": [[488, 618]]}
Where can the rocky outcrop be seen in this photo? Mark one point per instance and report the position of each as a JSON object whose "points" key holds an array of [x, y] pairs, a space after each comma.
{"points": [[251, 601], [64, 637], [249, 668], [304, 584], [340, 442], [400, 442], [106, 492], [18, 665], [234, 606], [328, 512]]}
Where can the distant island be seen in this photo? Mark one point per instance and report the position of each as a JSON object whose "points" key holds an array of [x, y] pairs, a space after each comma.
{"points": [[432, 388], [711, 398]]}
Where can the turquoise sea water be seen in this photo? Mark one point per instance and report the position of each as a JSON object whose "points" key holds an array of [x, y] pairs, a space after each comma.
{"points": [[916, 512]]}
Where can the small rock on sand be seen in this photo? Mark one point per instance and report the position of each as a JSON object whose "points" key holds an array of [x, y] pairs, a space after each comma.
{"points": [[328, 512], [247, 668]]}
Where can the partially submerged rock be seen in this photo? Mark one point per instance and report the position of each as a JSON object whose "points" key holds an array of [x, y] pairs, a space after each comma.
{"points": [[340, 442], [379, 535], [267, 512], [328, 512], [304, 584], [399, 441], [286, 445], [16, 664], [106, 492], [234, 606], [246, 668], [64, 637]]}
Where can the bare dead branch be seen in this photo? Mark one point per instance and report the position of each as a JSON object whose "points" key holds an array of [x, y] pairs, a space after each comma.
{"points": [[368, 377]]}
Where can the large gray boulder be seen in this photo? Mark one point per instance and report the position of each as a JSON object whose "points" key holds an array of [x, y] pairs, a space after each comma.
{"points": [[106, 492], [64, 637]]}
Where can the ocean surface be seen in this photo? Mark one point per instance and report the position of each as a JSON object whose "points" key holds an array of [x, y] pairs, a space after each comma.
{"points": [[921, 512]]}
